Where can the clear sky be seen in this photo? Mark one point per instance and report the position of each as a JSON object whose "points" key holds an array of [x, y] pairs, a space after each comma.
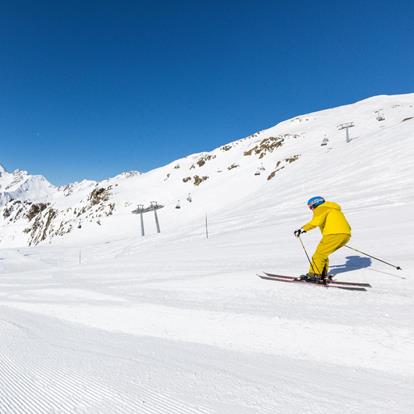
{"points": [[89, 89]]}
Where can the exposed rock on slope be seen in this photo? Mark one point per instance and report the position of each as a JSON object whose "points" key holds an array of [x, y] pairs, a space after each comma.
{"points": [[32, 211]]}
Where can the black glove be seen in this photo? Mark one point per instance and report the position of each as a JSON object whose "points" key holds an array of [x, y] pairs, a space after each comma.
{"points": [[298, 232]]}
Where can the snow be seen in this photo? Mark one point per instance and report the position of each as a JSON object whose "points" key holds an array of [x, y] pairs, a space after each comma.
{"points": [[23, 186], [102, 320]]}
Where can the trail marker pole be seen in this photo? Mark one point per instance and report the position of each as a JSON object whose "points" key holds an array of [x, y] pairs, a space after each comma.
{"points": [[206, 227]]}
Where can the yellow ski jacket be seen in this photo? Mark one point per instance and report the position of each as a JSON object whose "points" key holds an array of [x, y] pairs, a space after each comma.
{"points": [[329, 218]]}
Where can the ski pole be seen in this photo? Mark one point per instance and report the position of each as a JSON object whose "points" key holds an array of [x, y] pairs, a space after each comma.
{"points": [[309, 260], [376, 258]]}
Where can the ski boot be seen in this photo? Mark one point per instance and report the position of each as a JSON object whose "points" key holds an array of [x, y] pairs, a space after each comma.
{"points": [[313, 278], [326, 279]]}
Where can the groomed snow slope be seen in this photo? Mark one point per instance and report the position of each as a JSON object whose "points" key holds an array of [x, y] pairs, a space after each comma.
{"points": [[177, 323]]}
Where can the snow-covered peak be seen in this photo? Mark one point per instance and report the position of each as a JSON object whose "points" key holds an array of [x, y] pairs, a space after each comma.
{"points": [[291, 161], [20, 185]]}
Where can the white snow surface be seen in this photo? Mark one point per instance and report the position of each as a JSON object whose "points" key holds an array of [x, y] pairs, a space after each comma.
{"points": [[103, 320], [23, 186]]}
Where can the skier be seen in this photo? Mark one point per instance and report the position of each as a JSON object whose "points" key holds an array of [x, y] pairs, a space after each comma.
{"points": [[335, 230]]}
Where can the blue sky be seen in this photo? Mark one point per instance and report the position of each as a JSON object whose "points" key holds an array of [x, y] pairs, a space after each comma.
{"points": [[89, 89]]}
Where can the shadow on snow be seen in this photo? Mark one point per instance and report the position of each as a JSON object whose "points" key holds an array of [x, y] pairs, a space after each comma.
{"points": [[352, 263]]}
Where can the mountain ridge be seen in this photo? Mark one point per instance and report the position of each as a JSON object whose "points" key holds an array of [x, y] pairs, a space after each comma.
{"points": [[216, 180]]}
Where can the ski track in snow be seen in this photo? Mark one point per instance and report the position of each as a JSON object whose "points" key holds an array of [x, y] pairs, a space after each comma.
{"points": [[200, 333], [106, 322], [75, 368], [49, 384]]}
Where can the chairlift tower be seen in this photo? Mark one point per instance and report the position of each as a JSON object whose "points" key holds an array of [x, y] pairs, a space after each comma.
{"points": [[346, 126], [379, 115], [140, 211], [155, 207]]}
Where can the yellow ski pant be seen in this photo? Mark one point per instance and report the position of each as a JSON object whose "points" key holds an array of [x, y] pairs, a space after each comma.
{"points": [[328, 244]]}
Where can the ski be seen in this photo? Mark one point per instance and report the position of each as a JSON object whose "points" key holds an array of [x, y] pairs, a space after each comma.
{"points": [[336, 282], [297, 280]]}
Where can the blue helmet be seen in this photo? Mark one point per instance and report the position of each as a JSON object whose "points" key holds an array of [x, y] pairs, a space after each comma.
{"points": [[315, 202]]}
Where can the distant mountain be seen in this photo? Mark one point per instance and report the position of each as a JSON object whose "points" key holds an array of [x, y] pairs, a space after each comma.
{"points": [[19, 185], [303, 156]]}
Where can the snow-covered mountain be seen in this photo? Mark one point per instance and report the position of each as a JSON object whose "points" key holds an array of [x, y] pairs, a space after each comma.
{"points": [[19, 185], [179, 323], [306, 154]]}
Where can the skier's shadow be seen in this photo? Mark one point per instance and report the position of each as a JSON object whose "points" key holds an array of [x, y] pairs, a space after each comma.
{"points": [[352, 263]]}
